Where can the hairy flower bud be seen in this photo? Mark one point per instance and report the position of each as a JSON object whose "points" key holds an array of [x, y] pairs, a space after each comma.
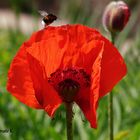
{"points": [[116, 16]]}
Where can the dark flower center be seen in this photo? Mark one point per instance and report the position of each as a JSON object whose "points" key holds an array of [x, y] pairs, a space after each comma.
{"points": [[68, 82], [67, 89]]}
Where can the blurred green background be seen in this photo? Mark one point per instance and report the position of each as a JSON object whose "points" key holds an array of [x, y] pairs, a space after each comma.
{"points": [[18, 18]]}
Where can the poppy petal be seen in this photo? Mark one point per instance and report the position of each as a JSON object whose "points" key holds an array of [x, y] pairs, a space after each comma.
{"points": [[89, 53], [113, 68], [48, 54], [67, 46], [87, 98], [45, 94], [82, 48], [83, 102], [19, 81], [95, 87]]}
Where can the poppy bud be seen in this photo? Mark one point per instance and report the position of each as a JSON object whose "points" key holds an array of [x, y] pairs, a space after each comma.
{"points": [[116, 16]]}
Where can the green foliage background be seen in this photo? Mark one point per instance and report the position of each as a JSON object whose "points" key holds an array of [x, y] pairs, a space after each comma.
{"points": [[29, 124]]}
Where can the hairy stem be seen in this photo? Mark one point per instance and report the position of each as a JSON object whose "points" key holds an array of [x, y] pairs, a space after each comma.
{"points": [[110, 105], [69, 117]]}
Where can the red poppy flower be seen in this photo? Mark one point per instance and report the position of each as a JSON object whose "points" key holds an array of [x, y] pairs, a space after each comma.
{"points": [[56, 60]]}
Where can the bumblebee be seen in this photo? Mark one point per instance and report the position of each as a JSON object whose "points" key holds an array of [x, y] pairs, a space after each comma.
{"points": [[47, 18]]}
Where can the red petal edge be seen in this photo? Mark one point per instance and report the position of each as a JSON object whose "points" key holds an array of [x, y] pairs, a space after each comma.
{"points": [[19, 81]]}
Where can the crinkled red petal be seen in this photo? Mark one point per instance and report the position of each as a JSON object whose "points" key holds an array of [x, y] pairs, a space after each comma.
{"points": [[44, 93], [65, 46], [107, 70], [19, 82], [87, 99], [113, 68]]}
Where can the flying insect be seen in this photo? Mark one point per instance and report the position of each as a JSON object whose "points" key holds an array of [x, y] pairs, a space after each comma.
{"points": [[47, 18]]}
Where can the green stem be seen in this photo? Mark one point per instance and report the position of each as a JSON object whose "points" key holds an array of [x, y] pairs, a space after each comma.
{"points": [[110, 106], [69, 117], [113, 36], [110, 114]]}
